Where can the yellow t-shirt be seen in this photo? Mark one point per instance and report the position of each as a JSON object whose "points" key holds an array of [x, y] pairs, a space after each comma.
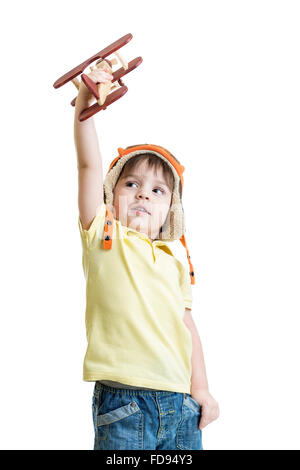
{"points": [[136, 294]]}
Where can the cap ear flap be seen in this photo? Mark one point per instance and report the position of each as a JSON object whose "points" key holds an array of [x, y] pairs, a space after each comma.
{"points": [[180, 189]]}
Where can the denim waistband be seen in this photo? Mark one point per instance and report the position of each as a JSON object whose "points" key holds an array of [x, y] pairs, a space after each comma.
{"points": [[129, 391]]}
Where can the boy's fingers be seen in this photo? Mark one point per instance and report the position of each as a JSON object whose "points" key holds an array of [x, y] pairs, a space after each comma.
{"points": [[203, 423], [100, 75], [204, 418], [208, 416]]}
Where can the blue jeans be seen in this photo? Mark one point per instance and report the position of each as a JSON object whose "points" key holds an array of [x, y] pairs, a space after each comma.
{"points": [[143, 419]]}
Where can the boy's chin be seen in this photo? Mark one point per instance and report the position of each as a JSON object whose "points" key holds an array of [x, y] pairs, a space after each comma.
{"points": [[142, 226], [136, 222]]}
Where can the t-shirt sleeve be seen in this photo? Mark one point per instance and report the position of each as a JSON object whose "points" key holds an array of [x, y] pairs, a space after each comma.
{"points": [[95, 231], [186, 288]]}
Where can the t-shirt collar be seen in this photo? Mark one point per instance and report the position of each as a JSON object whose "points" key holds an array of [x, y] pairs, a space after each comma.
{"points": [[142, 235]]}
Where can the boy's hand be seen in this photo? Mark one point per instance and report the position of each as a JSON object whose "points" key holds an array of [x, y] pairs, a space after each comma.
{"points": [[98, 76], [210, 408]]}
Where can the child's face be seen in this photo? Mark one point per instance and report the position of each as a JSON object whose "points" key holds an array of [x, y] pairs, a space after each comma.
{"points": [[143, 188]]}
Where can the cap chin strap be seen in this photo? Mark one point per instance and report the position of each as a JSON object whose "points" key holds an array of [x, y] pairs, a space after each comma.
{"points": [[108, 229], [108, 235], [192, 274]]}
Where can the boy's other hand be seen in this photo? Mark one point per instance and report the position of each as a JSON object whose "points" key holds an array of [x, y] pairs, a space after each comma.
{"points": [[210, 408]]}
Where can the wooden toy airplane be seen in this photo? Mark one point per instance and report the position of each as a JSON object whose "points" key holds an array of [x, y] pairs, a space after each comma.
{"points": [[101, 91]]}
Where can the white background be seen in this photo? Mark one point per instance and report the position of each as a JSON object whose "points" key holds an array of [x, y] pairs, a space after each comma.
{"points": [[219, 87]]}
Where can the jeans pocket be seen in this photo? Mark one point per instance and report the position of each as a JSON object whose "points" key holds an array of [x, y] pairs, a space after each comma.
{"points": [[120, 428], [189, 436], [96, 402], [193, 404]]}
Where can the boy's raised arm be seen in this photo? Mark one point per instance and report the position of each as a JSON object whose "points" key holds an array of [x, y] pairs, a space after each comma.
{"points": [[89, 160], [86, 141]]}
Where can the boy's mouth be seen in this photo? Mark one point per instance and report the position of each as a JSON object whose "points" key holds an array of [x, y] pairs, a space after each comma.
{"points": [[141, 210]]}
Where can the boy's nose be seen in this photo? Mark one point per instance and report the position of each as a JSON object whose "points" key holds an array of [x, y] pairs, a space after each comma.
{"points": [[142, 195]]}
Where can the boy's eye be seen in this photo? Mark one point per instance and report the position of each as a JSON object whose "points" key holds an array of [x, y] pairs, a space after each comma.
{"points": [[158, 189], [129, 183]]}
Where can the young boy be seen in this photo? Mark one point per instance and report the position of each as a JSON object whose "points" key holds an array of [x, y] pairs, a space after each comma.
{"points": [[144, 353]]}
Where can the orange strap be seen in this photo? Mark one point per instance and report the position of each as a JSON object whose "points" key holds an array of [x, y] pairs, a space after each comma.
{"points": [[108, 229], [192, 274]]}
